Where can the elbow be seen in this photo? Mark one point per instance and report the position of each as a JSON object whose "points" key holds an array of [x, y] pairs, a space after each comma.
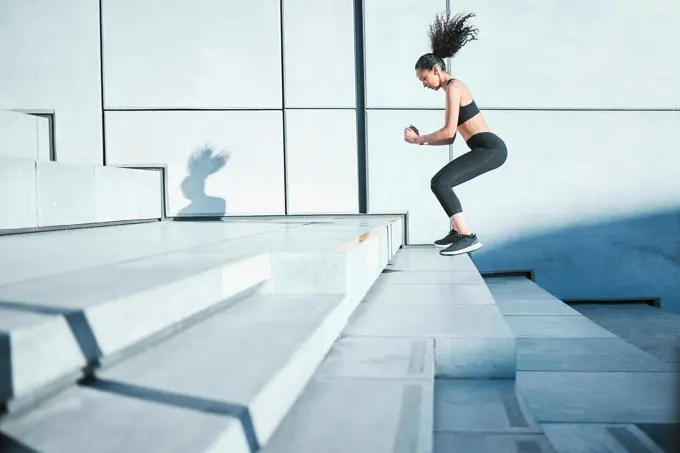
{"points": [[450, 132]]}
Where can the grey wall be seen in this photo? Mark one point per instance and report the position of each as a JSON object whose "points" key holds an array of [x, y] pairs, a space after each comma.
{"points": [[223, 87], [590, 195], [24, 136]]}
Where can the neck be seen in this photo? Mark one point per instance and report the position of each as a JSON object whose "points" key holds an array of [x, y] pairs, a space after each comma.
{"points": [[445, 79]]}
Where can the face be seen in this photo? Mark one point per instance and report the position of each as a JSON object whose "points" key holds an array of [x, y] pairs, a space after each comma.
{"points": [[429, 78]]}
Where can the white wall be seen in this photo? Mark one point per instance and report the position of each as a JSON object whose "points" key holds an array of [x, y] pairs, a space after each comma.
{"points": [[395, 37], [589, 197], [399, 173], [24, 136], [249, 181], [585, 199], [319, 53], [208, 54], [321, 156], [50, 61], [577, 54]]}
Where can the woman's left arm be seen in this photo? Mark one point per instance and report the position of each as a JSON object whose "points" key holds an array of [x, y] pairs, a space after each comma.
{"points": [[451, 124]]}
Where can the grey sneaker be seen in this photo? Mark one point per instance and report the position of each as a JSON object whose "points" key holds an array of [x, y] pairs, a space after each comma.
{"points": [[462, 244], [447, 240]]}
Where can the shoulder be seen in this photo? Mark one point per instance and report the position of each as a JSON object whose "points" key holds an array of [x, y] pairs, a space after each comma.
{"points": [[457, 89]]}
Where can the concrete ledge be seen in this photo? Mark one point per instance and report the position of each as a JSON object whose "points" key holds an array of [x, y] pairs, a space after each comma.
{"points": [[97, 314], [48, 194], [18, 194]]}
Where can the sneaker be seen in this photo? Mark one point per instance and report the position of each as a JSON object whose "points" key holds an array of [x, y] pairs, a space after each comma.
{"points": [[462, 244], [447, 240]]}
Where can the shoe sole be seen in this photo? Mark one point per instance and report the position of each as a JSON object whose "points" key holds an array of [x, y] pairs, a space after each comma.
{"points": [[441, 246], [472, 248]]}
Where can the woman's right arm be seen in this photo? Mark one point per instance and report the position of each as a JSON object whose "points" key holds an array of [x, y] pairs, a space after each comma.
{"points": [[446, 141]]}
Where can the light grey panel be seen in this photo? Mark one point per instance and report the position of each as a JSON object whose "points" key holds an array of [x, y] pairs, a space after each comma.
{"points": [[44, 138], [208, 54], [115, 194], [66, 194], [50, 61], [573, 54], [395, 37], [321, 154], [150, 200], [218, 162], [18, 135], [319, 53], [18, 199], [607, 178], [399, 173]]}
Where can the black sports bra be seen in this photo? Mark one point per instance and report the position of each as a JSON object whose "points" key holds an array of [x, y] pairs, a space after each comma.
{"points": [[466, 111]]}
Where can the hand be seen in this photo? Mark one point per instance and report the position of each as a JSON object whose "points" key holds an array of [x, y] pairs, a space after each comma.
{"points": [[410, 135]]}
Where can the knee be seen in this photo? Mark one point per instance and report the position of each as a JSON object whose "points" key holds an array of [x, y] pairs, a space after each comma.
{"points": [[436, 182]]}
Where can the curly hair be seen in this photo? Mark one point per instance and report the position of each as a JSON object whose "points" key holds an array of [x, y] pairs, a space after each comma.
{"points": [[447, 36]]}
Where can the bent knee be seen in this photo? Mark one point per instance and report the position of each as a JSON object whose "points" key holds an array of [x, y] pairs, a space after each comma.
{"points": [[436, 181]]}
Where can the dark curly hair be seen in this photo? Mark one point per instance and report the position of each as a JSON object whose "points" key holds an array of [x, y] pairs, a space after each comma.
{"points": [[447, 36]]}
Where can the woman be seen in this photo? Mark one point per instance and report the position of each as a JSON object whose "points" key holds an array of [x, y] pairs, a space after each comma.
{"points": [[487, 151]]}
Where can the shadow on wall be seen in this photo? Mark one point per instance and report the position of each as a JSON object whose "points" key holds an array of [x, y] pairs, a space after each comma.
{"points": [[202, 164], [636, 257]]}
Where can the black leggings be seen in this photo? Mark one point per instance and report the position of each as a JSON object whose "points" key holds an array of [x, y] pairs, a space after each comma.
{"points": [[487, 152]]}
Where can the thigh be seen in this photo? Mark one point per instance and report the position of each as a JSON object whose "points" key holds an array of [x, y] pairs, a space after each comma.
{"points": [[470, 165]]}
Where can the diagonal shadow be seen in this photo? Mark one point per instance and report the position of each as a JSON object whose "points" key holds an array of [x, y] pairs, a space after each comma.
{"points": [[10, 445], [210, 406], [80, 328]]}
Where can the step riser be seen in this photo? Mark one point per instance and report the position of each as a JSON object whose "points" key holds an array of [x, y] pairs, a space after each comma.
{"points": [[36, 362], [352, 273], [149, 312], [108, 330], [349, 271]]}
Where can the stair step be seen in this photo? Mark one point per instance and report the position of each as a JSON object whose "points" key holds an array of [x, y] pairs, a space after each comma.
{"points": [[454, 308], [371, 395], [95, 315], [221, 385]]}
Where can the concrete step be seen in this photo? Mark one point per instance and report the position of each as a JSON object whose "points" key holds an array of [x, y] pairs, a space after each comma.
{"points": [[452, 306], [587, 388], [223, 382], [426, 315], [222, 385], [58, 324], [24, 136], [370, 395], [551, 336], [39, 194]]}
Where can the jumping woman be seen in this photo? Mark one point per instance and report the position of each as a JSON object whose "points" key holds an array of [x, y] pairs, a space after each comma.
{"points": [[487, 151]]}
